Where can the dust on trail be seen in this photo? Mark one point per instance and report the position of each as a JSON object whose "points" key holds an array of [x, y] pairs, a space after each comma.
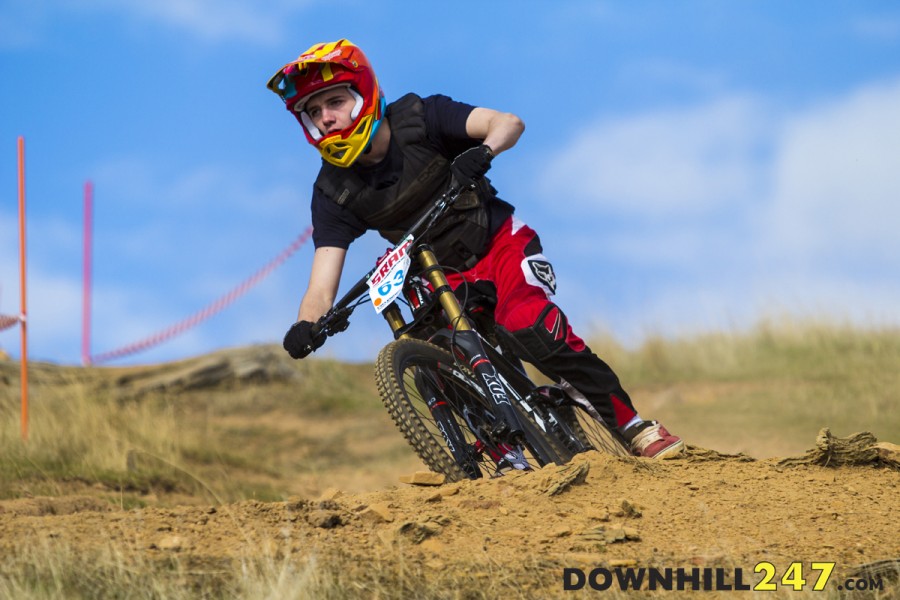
{"points": [[705, 509]]}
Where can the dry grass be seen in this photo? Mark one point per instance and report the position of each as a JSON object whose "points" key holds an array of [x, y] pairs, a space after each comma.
{"points": [[767, 391], [229, 443], [51, 572]]}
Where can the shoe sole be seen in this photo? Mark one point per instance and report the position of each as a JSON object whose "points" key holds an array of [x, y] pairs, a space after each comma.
{"points": [[672, 451]]}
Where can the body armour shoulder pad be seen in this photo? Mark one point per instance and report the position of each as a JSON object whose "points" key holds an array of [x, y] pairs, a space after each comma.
{"points": [[409, 128], [460, 237]]}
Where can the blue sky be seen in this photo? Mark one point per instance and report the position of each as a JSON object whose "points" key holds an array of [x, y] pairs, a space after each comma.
{"points": [[690, 166]]}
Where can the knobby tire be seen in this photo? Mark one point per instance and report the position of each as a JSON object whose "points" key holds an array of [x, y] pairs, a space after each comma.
{"points": [[395, 374]]}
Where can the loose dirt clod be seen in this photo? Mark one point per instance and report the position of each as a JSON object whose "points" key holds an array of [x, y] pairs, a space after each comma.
{"points": [[888, 453], [567, 476], [424, 478], [830, 451]]}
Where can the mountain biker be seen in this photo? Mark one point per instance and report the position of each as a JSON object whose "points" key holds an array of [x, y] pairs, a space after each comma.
{"points": [[384, 164]]}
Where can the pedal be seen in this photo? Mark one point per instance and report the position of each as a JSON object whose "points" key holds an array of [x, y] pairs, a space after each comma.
{"points": [[512, 457], [515, 457]]}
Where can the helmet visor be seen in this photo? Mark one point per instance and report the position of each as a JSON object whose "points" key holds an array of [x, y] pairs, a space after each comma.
{"points": [[283, 85]]}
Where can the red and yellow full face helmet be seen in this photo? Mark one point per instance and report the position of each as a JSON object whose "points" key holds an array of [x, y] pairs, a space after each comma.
{"points": [[338, 63]]}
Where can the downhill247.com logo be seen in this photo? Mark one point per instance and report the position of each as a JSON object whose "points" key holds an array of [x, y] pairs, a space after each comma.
{"points": [[766, 577]]}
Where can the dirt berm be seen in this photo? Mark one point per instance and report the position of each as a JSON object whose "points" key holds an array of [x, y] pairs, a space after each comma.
{"points": [[519, 532]]}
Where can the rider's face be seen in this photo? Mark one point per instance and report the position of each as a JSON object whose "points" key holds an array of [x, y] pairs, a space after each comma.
{"points": [[330, 110]]}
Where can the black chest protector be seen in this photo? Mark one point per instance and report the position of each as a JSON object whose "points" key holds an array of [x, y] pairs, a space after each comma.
{"points": [[460, 238]]}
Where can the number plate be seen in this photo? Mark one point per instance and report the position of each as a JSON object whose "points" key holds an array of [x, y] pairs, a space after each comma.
{"points": [[386, 283]]}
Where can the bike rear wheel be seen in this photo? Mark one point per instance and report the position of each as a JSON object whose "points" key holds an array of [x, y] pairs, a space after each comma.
{"points": [[442, 413], [593, 432]]}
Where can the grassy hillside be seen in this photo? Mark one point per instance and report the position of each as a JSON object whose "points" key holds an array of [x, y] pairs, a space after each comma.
{"points": [[151, 434], [157, 434], [768, 391]]}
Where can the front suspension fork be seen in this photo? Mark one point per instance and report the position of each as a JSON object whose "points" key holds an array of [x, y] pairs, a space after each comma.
{"points": [[468, 341]]}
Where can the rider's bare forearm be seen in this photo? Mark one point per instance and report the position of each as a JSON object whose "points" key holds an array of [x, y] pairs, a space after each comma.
{"points": [[504, 132], [500, 131], [314, 306], [323, 283]]}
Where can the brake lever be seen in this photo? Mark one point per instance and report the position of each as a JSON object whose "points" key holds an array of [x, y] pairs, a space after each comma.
{"points": [[331, 323], [456, 186], [341, 321]]}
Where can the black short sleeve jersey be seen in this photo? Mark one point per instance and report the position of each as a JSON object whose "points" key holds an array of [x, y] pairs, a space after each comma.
{"points": [[445, 124]]}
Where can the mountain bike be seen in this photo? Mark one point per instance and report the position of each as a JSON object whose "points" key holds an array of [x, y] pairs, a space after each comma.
{"points": [[451, 380]]}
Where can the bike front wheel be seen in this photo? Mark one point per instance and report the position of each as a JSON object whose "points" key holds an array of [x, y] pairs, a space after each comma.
{"points": [[445, 416]]}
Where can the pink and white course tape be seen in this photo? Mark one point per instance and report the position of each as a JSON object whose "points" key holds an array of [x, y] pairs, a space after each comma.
{"points": [[207, 312]]}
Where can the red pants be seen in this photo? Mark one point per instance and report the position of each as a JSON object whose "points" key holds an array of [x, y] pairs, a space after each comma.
{"points": [[522, 276], [524, 282]]}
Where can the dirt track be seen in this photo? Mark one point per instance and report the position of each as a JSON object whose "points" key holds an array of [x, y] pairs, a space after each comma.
{"points": [[705, 510], [513, 536]]}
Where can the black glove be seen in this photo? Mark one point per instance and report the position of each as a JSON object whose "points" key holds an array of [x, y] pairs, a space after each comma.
{"points": [[472, 164], [298, 340]]}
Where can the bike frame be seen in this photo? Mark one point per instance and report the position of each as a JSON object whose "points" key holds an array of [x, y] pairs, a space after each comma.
{"points": [[466, 339], [461, 339], [526, 394]]}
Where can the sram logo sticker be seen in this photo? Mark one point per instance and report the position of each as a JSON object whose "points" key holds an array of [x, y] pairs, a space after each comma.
{"points": [[386, 282]]}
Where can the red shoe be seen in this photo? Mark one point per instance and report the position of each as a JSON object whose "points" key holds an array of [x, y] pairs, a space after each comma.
{"points": [[651, 440]]}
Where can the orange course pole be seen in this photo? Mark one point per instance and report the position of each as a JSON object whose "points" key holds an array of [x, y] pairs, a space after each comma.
{"points": [[22, 263]]}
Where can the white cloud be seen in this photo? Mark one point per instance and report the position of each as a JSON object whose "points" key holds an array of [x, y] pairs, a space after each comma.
{"points": [[149, 184], [680, 310], [659, 164], [882, 28], [725, 213], [819, 183], [53, 310], [837, 179], [661, 72], [208, 19], [211, 20], [9, 265], [209, 212]]}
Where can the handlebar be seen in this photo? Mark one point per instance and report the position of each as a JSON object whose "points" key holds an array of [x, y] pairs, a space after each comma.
{"points": [[337, 319]]}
